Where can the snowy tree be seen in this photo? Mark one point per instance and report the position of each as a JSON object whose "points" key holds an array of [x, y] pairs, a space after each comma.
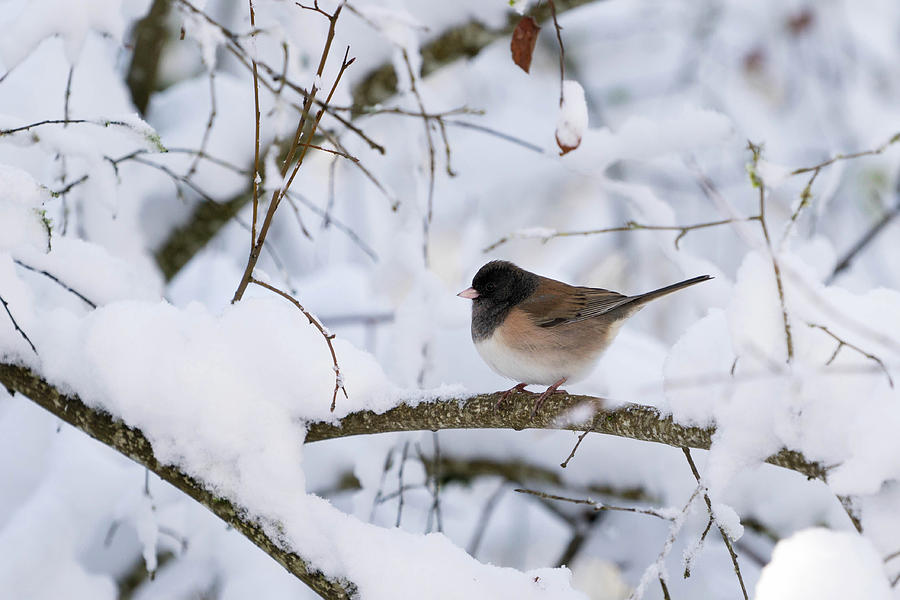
{"points": [[231, 235]]}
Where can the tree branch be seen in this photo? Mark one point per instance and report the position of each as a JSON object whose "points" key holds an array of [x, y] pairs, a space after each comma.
{"points": [[132, 443], [150, 36], [630, 421], [464, 41]]}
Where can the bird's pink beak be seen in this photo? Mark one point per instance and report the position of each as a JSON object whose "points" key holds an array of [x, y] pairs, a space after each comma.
{"points": [[469, 293]]}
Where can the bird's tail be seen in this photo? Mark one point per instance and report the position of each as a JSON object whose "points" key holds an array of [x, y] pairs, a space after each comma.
{"points": [[635, 302]]}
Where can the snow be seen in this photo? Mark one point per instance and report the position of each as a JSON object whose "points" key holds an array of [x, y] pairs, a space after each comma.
{"points": [[36, 20], [226, 391], [825, 565], [573, 116], [21, 205]]}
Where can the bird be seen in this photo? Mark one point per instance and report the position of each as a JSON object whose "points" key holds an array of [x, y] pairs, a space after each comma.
{"points": [[537, 330]]}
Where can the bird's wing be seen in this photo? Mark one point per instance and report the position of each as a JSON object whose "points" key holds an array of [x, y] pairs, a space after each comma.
{"points": [[555, 303]]}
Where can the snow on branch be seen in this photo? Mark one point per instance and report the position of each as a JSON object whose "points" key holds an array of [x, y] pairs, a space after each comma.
{"points": [[631, 421], [477, 412], [132, 443]]}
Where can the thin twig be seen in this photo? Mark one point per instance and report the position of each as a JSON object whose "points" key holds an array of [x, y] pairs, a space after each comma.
{"points": [[300, 223], [426, 222], [436, 485], [388, 463], [725, 538], [58, 282], [547, 235], [400, 483], [498, 134], [394, 201], [486, 512], [838, 157], [864, 241], [98, 122], [16, 325], [338, 224], [665, 588], [596, 505], [841, 343], [656, 569], [338, 378], [806, 193], [847, 504], [562, 50], [581, 437], [757, 181], [209, 125], [295, 145], [256, 177], [68, 187]]}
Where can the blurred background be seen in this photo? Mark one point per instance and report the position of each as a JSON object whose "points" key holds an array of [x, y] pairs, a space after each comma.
{"points": [[378, 245]]}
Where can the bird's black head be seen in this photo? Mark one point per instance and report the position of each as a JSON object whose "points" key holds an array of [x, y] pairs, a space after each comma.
{"points": [[501, 282], [496, 288]]}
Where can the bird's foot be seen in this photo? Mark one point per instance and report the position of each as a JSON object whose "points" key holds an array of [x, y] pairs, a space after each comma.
{"points": [[504, 395], [553, 389]]}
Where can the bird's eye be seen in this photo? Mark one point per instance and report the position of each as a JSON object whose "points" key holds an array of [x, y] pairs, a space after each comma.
{"points": [[491, 286]]}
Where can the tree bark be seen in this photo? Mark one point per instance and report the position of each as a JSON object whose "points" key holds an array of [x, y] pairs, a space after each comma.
{"points": [[629, 421], [132, 443]]}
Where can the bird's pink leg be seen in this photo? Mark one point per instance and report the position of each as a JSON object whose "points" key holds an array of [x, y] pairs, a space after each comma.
{"points": [[553, 389], [504, 395]]}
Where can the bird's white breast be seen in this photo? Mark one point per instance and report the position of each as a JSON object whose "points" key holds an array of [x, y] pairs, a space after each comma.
{"points": [[532, 367]]}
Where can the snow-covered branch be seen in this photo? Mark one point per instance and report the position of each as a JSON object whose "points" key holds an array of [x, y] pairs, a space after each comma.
{"points": [[132, 443], [629, 421], [632, 421]]}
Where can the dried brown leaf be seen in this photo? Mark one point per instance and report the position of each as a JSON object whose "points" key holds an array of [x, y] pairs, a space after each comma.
{"points": [[524, 38]]}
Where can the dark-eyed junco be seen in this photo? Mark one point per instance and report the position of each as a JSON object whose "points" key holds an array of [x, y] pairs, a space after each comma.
{"points": [[537, 330]]}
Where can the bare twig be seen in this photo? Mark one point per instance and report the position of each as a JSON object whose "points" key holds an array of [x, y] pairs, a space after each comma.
{"points": [[562, 50], [597, 505], [498, 134], [64, 122], [68, 188], [400, 483], [484, 517], [847, 504], [838, 157], [338, 378], [656, 569], [379, 494], [296, 145], [864, 241], [435, 476], [426, 222], [354, 237], [549, 234], [581, 437], [806, 193], [209, 124], [712, 516], [665, 588], [296, 210], [841, 343], [394, 202], [16, 325], [57, 281], [256, 116], [756, 151]]}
